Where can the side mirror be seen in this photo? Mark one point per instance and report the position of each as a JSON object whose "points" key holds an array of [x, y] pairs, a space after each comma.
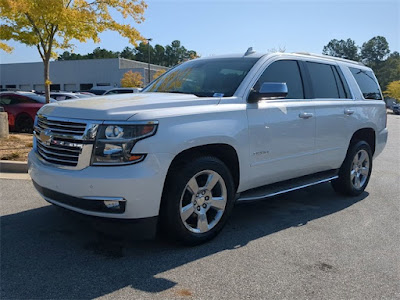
{"points": [[269, 90]]}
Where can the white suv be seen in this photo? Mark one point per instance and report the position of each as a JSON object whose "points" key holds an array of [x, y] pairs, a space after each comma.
{"points": [[210, 132]]}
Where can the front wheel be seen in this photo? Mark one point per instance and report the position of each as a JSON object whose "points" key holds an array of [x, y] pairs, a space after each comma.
{"points": [[24, 123], [197, 200], [355, 171]]}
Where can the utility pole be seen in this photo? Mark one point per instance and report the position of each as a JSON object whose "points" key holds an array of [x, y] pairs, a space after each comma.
{"points": [[148, 47]]}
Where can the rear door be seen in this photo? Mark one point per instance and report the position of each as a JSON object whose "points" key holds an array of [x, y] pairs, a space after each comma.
{"points": [[281, 131], [333, 107]]}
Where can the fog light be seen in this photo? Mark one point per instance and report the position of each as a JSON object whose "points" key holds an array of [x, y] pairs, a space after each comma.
{"points": [[113, 204]]}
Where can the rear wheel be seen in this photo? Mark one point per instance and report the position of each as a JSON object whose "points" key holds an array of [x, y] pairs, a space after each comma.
{"points": [[197, 200], [355, 171], [24, 123]]}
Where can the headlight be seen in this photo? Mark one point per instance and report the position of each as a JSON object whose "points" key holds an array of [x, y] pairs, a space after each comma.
{"points": [[114, 143]]}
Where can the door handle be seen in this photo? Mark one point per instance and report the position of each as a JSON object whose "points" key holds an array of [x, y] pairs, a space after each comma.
{"points": [[348, 111], [305, 115]]}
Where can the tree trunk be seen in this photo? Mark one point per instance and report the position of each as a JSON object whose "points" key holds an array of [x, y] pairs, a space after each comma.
{"points": [[46, 63]]}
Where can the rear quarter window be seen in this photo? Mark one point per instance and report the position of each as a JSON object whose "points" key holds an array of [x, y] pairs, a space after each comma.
{"points": [[368, 85]]}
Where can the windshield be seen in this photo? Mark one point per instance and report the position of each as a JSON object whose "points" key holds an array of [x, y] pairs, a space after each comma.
{"points": [[37, 98], [204, 78]]}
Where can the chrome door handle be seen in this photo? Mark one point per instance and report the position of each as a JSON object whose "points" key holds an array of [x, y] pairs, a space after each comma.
{"points": [[305, 115], [348, 111]]}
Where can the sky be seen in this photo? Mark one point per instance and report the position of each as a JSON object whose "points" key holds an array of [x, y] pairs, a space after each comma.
{"points": [[231, 26]]}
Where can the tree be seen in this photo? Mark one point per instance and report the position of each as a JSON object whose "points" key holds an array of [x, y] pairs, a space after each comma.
{"points": [[341, 48], [132, 79], [388, 70], [158, 73], [52, 24], [128, 53], [393, 90], [375, 50], [66, 55], [167, 56], [159, 55], [102, 53]]}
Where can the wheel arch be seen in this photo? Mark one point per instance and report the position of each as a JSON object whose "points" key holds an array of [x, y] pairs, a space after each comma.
{"points": [[20, 116], [23, 114], [224, 152], [367, 134]]}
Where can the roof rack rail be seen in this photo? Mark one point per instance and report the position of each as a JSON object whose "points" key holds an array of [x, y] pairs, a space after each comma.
{"points": [[331, 57]]}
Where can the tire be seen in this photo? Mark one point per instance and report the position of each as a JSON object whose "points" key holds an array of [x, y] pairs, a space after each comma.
{"points": [[24, 123], [355, 172], [197, 200]]}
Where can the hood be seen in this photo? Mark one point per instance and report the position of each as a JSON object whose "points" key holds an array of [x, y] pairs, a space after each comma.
{"points": [[121, 107]]}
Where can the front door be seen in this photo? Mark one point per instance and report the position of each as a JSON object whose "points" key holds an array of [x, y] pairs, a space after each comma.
{"points": [[281, 131]]}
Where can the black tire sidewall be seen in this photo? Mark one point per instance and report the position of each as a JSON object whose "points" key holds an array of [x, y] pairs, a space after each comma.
{"points": [[22, 121], [176, 183], [344, 184]]}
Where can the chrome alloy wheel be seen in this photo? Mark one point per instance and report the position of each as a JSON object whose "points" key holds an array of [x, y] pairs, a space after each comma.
{"points": [[360, 169], [203, 201]]}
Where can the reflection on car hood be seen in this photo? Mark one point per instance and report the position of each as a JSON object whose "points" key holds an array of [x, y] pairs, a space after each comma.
{"points": [[121, 106]]}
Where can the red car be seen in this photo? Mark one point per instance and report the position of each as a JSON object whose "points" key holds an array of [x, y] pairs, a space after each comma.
{"points": [[21, 108]]}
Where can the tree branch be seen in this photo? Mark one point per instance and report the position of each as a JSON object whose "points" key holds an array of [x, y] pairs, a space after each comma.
{"points": [[40, 52], [37, 31]]}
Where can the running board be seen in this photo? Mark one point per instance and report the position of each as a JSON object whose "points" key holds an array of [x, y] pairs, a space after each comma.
{"points": [[287, 186]]}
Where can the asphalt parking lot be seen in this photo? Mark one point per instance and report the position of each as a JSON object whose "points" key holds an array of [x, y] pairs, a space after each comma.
{"points": [[309, 244]]}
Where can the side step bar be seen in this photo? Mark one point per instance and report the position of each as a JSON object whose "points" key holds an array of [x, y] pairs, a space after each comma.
{"points": [[287, 186]]}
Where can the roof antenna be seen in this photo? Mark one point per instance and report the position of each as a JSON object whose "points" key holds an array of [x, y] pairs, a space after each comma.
{"points": [[249, 51]]}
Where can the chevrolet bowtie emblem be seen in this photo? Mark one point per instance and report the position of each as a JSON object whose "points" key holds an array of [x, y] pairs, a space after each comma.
{"points": [[45, 136]]}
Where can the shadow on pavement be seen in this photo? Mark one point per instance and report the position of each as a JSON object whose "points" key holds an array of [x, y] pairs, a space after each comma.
{"points": [[46, 253]]}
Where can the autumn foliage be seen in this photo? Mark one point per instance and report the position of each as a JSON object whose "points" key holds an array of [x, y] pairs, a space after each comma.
{"points": [[132, 79], [158, 73], [53, 24], [393, 90]]}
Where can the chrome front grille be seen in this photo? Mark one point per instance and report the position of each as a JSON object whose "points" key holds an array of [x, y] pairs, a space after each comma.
{"points": [[61, 127], [67, 143], [58, 154]]}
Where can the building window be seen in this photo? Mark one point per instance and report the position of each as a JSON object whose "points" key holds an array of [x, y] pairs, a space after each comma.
{"points": [[103, 84], [55, 87], [85, 86], [11, 86]]}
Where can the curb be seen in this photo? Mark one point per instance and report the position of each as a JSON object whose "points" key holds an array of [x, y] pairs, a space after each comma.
{"points": [[7, 166]]}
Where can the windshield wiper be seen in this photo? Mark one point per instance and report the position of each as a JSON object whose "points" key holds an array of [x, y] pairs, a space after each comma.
{"points": [[177, 92]]}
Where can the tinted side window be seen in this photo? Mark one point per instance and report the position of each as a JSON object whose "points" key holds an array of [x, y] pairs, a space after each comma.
{"points": [[284, 71], [367, 83], [22, 99], [5, 100], [12, 100], [323, 80], [345, 86], [60, 98], [339, 83]]}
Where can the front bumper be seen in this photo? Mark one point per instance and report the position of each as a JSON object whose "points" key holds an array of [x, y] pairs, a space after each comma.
{"points": [[139, 185]]}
